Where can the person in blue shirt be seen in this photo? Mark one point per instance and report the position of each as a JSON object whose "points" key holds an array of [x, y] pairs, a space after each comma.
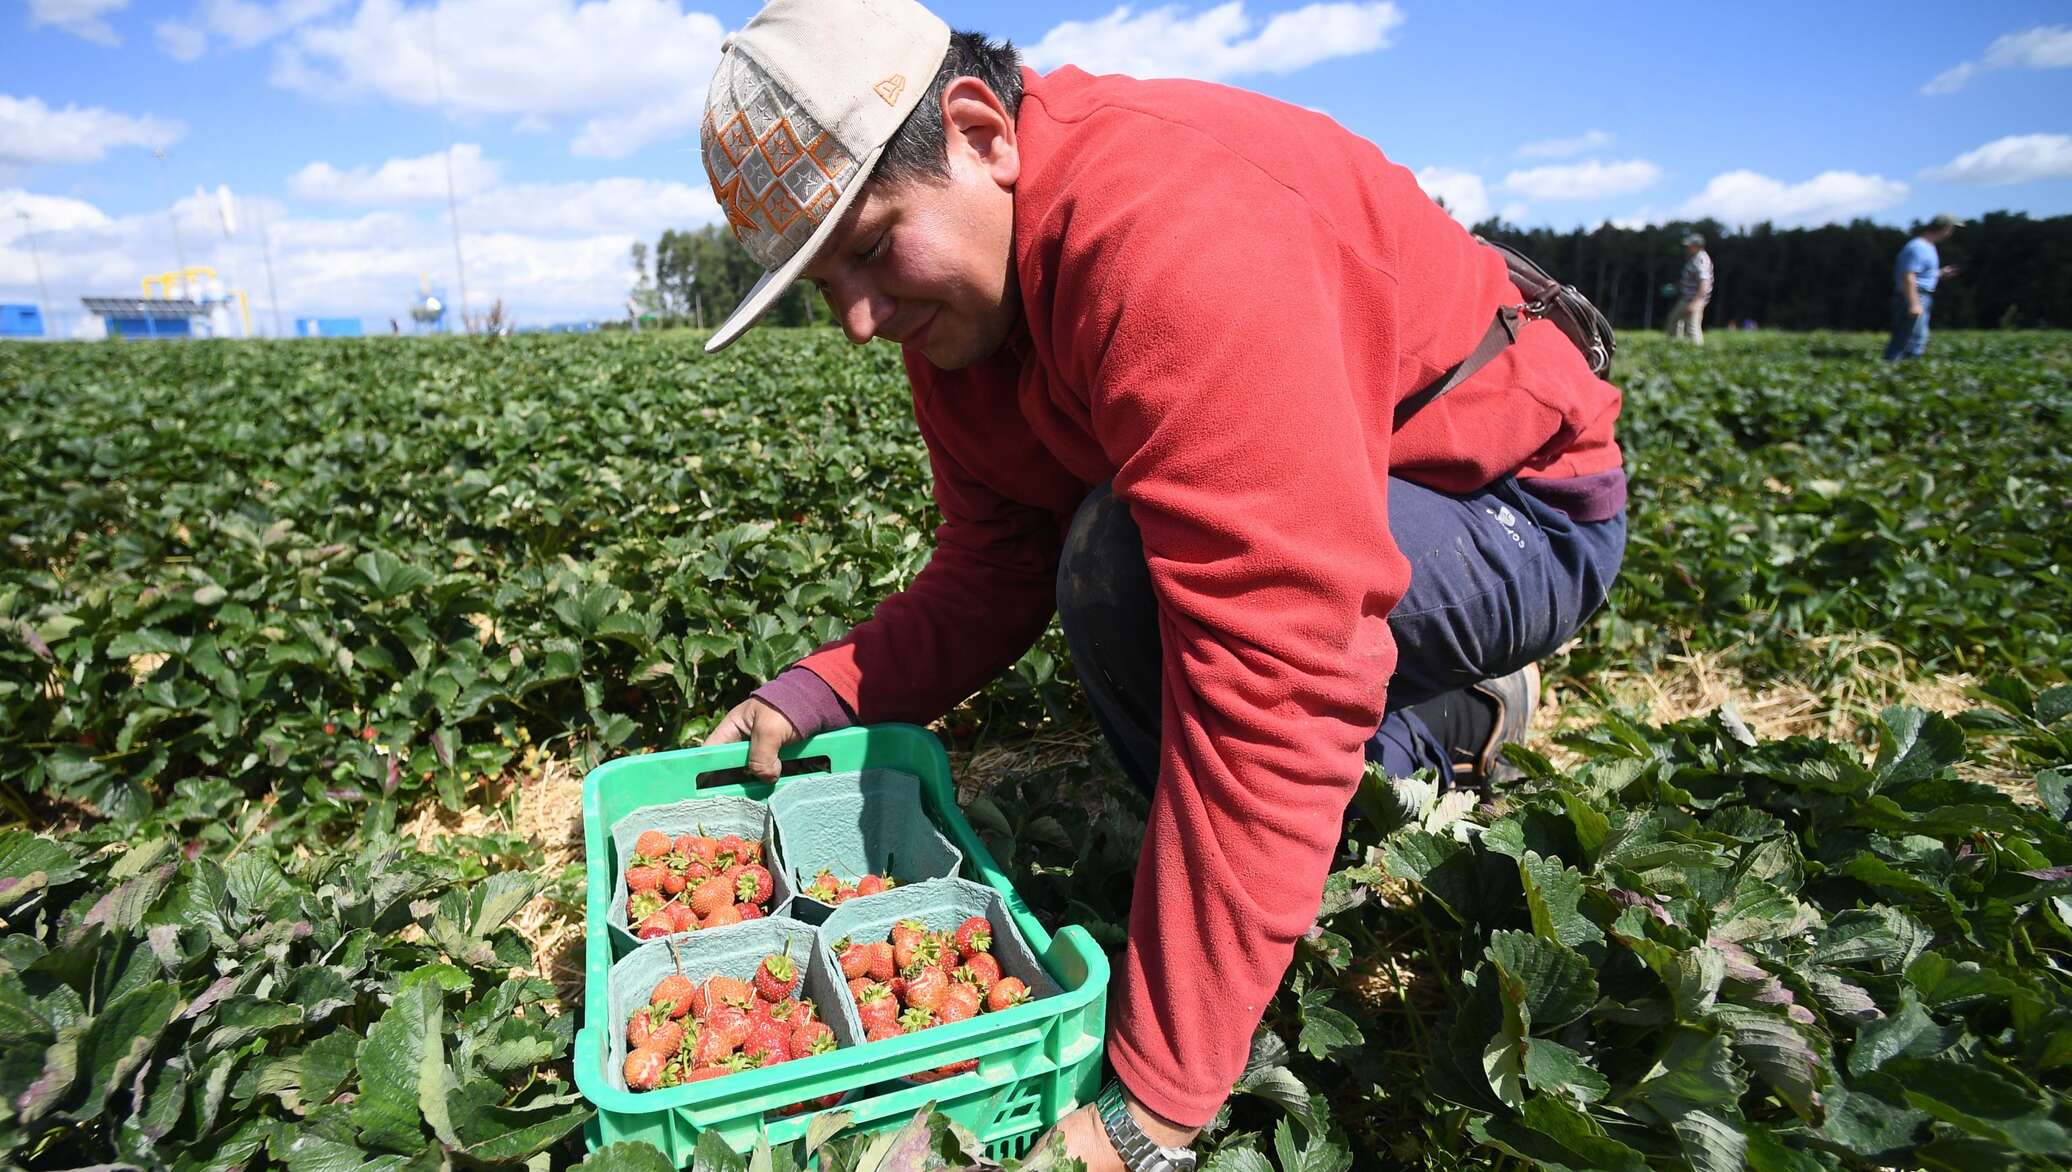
{"points": [[1914, 278]]}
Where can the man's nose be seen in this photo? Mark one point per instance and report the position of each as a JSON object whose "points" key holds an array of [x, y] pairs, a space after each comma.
{"points": [[862, 312]]}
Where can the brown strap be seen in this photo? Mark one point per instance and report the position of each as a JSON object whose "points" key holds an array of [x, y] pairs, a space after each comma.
{"points": [[1502, 332]]}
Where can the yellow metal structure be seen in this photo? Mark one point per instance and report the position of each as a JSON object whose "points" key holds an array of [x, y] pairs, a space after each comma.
{"points": [[161, 285]]}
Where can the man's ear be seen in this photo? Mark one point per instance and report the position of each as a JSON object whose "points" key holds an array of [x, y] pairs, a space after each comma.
{"points": [[977, 126]]}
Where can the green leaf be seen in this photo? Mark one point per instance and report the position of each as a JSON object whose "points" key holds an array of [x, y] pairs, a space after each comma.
{"points": [[627, 1156], [387, 577], [1974, 1098], [1560, 985], [403, 1070], [1877, 936], [1695, 1069], [1781, 1055], [1552, 1068], [1914, 745], [1552, 1135], [1320, 1154], [30, 863], [1553, 894], [120, 1038]]}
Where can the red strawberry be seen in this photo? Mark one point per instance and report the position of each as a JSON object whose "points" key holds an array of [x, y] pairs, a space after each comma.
{"points": [[748, 911], [686, 919], [729, 991], [926, 989], [810, 1038], [644, 1069], [643, 878], [652, 844], [751, 852], [703, 849], [907, 931], [672, 883], [729, 1023], [643, 905], [854, 958], [660, 924], [753, 886], [881, 1031], [668, 1037], [843, 895], [872, 884], [705, 1072], [730, 914], [959, 1003], [711, 895], [777, 976], [686, 845], [882, 967], [875, 1005], [915, 948], [769, 1042], [915, 1019], [974, 935], [712, 1048], [640, 1028], [858, 984], [696, 869], [972, 979], [674, 993], [732, 850], [824, 887], [986, 966], [1006, 993]]}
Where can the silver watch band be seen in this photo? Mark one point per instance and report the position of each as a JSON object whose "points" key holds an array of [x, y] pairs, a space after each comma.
{"points": [[1139, 1153]]}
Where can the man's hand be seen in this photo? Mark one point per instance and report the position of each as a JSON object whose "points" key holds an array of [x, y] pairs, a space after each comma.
{"points": [[1087, 1141], [764, 728], [1949, 270]]}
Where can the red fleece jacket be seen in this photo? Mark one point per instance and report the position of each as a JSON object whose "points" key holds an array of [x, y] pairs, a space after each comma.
{"points": [[1225, 296]]}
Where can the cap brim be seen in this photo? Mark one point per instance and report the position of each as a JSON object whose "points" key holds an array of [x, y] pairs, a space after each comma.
{"points": [[777, 280]]}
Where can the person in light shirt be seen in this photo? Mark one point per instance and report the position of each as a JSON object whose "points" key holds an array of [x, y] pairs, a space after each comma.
{"points": [[1915, 275]]}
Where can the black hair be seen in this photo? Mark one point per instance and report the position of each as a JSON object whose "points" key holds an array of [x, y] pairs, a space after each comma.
{"points": [[919, 149]]}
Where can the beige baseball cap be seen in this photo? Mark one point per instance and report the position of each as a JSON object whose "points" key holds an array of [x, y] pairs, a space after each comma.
{"points": [[806, 96]]}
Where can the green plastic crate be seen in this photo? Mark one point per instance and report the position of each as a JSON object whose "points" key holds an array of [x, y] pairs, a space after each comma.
{"points": [[1036, 1062]]}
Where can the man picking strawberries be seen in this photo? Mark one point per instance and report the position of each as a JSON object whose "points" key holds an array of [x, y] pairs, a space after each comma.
{"points": [[1168, 343]]}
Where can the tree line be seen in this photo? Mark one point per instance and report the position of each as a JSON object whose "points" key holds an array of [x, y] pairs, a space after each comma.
{"points": [[1838, 277], [2013, 272]]}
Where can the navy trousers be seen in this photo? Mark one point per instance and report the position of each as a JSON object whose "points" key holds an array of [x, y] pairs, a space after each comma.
{"points": [[1498, 579]]}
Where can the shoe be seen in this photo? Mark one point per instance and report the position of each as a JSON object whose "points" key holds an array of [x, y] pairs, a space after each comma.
{"points": [[1515, 696]]}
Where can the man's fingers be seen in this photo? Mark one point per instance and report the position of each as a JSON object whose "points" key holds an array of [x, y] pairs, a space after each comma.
{"points": [[769, 730], [732, 727]]}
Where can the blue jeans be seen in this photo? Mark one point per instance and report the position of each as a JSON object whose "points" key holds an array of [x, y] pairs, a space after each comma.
{"points": [[1909, 333], [1498, 579]]}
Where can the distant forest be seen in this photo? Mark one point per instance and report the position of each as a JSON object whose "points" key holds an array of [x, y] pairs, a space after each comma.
{"points": [[2015, 272]]}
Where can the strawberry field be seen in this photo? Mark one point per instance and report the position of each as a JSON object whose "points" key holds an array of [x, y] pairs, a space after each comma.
{"points": [[290, 634]]}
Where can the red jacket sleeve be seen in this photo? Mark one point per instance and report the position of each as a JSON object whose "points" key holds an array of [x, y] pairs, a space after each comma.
{"points": [[983, 598], [1219, 385]]}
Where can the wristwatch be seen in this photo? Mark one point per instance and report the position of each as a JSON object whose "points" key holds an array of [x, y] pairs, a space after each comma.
{"points": [[1139, 1154]]}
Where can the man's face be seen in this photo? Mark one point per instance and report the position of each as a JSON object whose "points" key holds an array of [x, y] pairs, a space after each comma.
{"points": [[930, 262]]}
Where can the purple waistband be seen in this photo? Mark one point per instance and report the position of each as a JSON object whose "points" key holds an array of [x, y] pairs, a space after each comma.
{"points": [[1597, 497]]}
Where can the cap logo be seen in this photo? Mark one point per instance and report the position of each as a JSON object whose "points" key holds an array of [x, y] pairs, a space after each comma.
{"points": [[775, 171], [889, 88]]}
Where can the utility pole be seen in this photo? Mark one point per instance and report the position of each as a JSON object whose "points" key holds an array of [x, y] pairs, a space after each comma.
{"points": [[266, 250], [460, 266], [42, 290], [173, 214]]}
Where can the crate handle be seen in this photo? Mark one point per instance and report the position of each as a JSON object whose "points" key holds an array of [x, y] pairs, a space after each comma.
{"points": [[739, 775]]}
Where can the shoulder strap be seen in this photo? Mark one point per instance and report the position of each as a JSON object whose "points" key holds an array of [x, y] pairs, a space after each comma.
{"points": [[1503, 331]]}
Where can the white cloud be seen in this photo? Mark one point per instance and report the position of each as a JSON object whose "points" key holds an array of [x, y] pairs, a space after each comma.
{"points": [[81, 18], [413, 180], [2017, 158], [634, 71], [552, 252], [1562, 148], [1463, 192], [181, 42], [2043, 47], [1217, 43], [1593, 179], [33, 133], [1745, 197]]}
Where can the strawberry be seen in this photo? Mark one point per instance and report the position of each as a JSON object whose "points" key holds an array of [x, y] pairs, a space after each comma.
{"points": [[872, 884], [674, 993], [712, 1048], [686, 919], [971, 978], [730, 914], [661, 924], [652, 844], [686, 845], [753, 886], [843, 895], [751, 852], [882, 967], [668, 1037], [710, 896], [643, 877], [705, 1072], [916, 1019], [729, 991], [640, 1028], [974, 935], [881, 1031], [778, 976], [1006, 993], [858, 984], [644, 1069], [959, 1003], [732, 849], [824, 887], [705, 850], [810, 1038], [695, 869], [788, 1012], [769, 1042], [673, 883], [907, 931], [986, 967], [748, 911], [643, 905], [876, 1006], [915, 948], [729, 1023], [854, 958], [926, 989]]}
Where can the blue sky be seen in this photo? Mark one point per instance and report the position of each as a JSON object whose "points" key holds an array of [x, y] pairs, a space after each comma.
{"points": [[574, 122]]}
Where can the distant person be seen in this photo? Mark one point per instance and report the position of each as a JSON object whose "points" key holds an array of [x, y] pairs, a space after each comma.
{"points": [[1693, 290], [1915, 275]]}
